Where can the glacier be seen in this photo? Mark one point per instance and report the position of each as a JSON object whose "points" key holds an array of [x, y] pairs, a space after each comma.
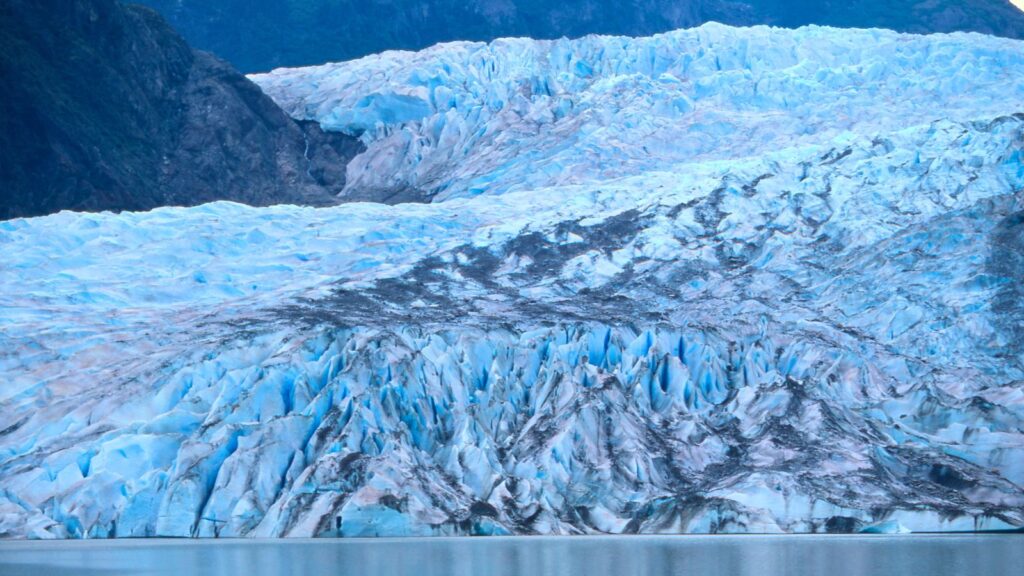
{"points": [[717, 280], [459, 119]]}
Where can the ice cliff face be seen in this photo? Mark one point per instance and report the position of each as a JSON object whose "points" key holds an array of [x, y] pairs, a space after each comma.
{"points": [[714, 281]]}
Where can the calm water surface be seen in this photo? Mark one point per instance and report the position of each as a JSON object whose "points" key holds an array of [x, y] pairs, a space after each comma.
{"points": [[974, 555]]}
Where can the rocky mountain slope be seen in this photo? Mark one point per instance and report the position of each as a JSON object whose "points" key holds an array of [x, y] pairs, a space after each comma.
{"points": [[258, 35], [718, 280], [105, 107]]}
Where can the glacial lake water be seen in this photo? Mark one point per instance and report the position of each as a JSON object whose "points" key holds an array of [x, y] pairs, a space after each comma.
{"points": [[874, 555]]}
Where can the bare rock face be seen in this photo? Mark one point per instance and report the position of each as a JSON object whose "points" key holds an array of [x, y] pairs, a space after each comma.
{"points": [[105, 107]]}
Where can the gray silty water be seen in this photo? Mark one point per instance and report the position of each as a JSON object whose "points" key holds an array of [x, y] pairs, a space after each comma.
{"points": [[978, 555]]}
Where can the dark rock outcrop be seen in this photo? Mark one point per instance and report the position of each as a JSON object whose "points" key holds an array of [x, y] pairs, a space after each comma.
{"points": [[104, 107], [257, 35]]}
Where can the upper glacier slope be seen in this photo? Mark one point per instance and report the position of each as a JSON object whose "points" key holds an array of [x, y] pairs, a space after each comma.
{"points": [[719, 280], [463, 118]]}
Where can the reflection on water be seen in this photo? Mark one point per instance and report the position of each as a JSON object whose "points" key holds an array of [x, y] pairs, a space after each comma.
{"points": [[976, 555]]}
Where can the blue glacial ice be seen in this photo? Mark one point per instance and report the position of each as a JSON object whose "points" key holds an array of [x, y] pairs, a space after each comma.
{"points": [[718, 280]]}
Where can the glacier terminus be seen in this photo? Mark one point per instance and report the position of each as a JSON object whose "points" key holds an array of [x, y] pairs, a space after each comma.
{"points": [[719, 280]]}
